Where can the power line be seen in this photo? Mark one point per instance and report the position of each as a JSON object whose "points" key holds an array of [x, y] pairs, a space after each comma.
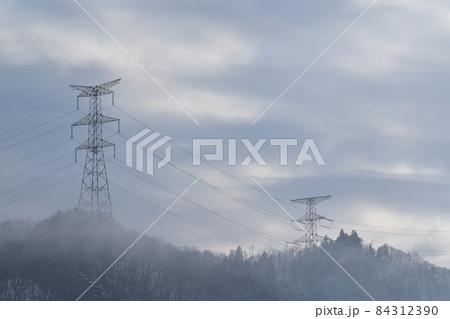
{"points": [[205, 162], [35, 180], [228, 194], [32, 99], [34, 154], [36, 167], [396, 233], [176, 216], [248, 228], [28, 111], [172, 192], [269, 237], [40, 190], [34, 137], [394, 228], [243, 201], [234, 197], [213, 166], [37, 126]]}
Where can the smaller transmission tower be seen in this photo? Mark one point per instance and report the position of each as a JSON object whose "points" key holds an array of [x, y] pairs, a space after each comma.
{"points": [[310, 220], [94, 194]]}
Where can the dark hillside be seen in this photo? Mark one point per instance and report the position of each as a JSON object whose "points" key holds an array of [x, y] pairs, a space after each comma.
{"points": [[58, 258]]}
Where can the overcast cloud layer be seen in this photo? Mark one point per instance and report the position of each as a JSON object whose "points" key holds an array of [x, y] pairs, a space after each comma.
{"points": [[376, 105]]}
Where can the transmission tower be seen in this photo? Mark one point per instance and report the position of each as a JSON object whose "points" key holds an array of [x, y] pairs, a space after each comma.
{"points": [[310, 220], [94, 194]]}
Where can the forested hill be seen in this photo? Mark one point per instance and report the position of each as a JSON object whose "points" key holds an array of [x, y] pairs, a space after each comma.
{"points": [[58, 258]]}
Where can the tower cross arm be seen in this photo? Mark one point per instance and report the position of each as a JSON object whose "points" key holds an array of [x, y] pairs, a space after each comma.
{"points": [[316, 199], [100, 89], [100, 119], [88, 145]]}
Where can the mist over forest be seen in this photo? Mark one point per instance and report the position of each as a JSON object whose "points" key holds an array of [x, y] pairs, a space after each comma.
{"points": [[59, 257]]}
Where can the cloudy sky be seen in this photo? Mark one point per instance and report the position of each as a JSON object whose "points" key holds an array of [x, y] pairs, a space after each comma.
{"points": [[376, 105]]}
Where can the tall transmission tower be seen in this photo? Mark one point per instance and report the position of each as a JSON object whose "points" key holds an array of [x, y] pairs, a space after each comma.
{"points": [[94, 194], [310, 220]]}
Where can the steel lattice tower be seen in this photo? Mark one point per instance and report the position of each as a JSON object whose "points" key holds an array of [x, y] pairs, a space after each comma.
{"points": [[310, 220], [94, 194]]}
